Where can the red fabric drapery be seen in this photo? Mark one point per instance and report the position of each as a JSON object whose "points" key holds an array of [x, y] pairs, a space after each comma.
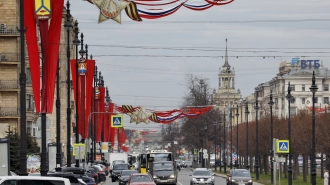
{"points": [[100, 115], [89, 91], [122, 137], [110, 132], [74, 82], [50, 48], [32, 48]]}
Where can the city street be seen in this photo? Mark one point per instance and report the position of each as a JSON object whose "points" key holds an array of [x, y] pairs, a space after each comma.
{"points": [[184, 179]]}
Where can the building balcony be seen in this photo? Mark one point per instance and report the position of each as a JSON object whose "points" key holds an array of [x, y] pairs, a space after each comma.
{"points": [[9, 112], [9, 30], [9, 85], [10, 58]]}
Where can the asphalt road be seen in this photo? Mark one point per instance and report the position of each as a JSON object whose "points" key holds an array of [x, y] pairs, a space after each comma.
{"points": [[183, 179]]}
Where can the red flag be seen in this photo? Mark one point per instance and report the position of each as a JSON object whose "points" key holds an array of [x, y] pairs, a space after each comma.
{"points": [[89, 92], [100, 115]]}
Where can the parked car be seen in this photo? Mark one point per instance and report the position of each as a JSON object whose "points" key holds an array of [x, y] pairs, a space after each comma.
{"points": [[68, 175], [125, 175], [238, 177], [33, 180], [202, 176], [100, 172], [81, 174], [188, 163], [139, 178], [104, 163]]}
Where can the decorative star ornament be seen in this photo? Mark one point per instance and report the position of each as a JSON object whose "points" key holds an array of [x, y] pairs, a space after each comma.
{"points": [[143, 116], [133, 116], [110, 9]]}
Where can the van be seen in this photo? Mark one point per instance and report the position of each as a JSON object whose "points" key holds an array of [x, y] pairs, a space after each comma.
{"points": [[33, 180], [164, 172]]}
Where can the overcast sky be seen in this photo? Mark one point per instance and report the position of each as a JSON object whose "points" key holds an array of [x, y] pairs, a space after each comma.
{"points": [[283, 28]]}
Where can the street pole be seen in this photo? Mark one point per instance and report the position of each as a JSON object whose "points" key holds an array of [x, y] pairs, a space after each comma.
{"points": [[231, 138], [58, 121], [246, 160], [236, 162], [76, 42], [94, 130], [22, 80], [68, 27], [257, 141], [271, 103], [224, 144], [313, 89], [215, 145], [289, 97]]}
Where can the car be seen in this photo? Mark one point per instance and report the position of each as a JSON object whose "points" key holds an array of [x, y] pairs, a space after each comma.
{"points": [[33, 180], [105, 165], [99, 171], [81, 173], [68, 175], [164, 172], [117, 168], [140, 178], [202, 176], [188, 163], [239, 177], [124, 176]]}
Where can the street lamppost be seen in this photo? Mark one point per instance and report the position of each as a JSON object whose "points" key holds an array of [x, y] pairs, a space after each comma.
{"points": [[94, 126], [68, 27], [224, 144], [289, 98], [271, 103], [313, 89], [231, 138], [215, 145], [236, 161], [257, 141], [247, 135], [22, 82], [204, 147]]}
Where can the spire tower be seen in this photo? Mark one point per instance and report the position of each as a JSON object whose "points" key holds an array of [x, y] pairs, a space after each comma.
{"points": [[226, 65]]}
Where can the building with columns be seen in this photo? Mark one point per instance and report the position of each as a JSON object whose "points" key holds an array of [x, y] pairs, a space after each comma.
{"points": [[226, 95], [300, 78]]}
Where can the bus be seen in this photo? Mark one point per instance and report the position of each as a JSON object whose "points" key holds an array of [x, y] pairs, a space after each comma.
{"points": [[145, 160]]}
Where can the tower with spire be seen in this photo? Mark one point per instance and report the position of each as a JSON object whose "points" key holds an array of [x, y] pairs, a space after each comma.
{"points": [[226, 93]]}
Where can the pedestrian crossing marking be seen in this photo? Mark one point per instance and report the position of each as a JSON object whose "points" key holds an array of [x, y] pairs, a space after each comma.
{"points": [[282, 146], [117, 121]]}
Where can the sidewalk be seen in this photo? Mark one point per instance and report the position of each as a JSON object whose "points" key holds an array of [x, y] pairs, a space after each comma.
{"points": [[224, 176]]}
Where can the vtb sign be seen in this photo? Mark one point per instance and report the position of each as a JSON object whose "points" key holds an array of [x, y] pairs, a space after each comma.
{"points": [[309, 64]]}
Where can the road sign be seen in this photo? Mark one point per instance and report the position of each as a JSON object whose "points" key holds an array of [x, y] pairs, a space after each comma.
{"points": [[282, 146], [204, 151], [280, 159], [117, 121], [205, 156]]}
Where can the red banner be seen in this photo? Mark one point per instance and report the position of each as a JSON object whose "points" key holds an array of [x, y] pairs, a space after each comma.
{"points": [[32, 48], [100, 115], [89, 91], [50, 38]]}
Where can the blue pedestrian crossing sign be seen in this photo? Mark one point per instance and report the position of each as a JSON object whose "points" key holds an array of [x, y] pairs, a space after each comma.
{"points": [[117, 121], [282, 146]]}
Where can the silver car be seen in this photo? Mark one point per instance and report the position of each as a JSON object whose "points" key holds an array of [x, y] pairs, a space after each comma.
{"points": [[202, 176]]}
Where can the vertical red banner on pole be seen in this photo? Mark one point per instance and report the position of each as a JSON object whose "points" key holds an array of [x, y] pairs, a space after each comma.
{"points": [[82, 125], [76, 92], [89, 93], [100, 115]]}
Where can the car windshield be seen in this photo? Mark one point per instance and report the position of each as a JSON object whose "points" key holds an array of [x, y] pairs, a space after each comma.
{"points": [[163, 166], [201, 173], [141, 178], [128, 173], [241, 174], [120, 167], [119, 161]]}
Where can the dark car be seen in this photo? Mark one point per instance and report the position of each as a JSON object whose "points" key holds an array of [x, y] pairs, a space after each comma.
{"points": [[239, 177], [81, 174], [68, 175], [164, 172], [93, 174], [116, 171], [99, 171], [202, 176], [105, 164], [124, 176]]}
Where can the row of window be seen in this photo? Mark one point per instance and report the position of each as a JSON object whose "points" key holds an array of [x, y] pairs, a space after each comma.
{"points": [[303, 87], [303, 100]]}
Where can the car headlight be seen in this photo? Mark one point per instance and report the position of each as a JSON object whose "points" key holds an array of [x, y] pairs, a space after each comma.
{"points": [[250, 181], [233, 180], [193, 179], [155, 177], [172, 176]]}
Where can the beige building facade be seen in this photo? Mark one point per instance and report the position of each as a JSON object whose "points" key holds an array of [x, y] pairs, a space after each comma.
{"points": [[9, 79]]}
